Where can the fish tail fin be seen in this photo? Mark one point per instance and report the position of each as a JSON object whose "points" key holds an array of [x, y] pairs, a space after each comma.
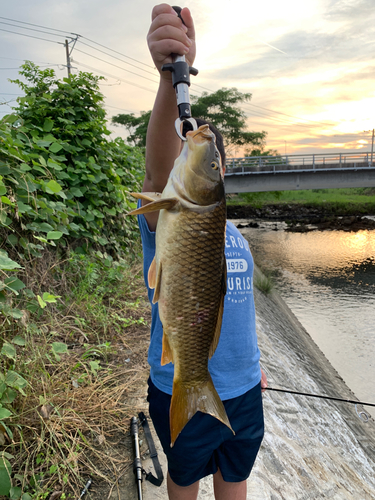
{"points": [[186, 401]]}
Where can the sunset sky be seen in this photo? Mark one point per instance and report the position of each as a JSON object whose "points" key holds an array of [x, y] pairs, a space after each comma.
{"points": [[309, 65]]}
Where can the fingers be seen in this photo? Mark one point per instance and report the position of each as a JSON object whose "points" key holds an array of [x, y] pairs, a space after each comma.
{"points": [[169, 35], [263, 381], [188, 20]]}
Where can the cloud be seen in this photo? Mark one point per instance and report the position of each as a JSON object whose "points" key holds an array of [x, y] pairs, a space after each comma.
{"points": [[349, 10]]}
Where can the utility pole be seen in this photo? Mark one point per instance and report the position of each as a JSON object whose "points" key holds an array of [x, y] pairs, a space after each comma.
{"points": [[68, 65], [68, 53]]}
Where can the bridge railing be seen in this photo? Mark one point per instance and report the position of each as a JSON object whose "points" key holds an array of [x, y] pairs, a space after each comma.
{"points": [[287, 163]]}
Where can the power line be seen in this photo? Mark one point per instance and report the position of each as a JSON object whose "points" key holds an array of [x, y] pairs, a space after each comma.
{"points": [[106, 53], [116, 66], [30, 36], [36, 62], [113, 76], [285, 114], [33, 29], [280, 120], [43, 66], [37, 25], [266, 109], [116, 52], [121, 109], [80, 36]]}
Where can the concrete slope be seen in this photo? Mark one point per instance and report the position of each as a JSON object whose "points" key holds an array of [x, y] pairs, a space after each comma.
{"points": [[313, 449]]}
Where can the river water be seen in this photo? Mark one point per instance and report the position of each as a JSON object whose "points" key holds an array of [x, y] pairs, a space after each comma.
{"points": [[327, 278]]}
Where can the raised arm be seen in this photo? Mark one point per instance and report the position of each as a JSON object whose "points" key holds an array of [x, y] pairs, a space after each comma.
{"points": [[167, 35]]}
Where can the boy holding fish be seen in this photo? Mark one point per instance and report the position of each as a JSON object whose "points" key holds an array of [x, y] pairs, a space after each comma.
{"points": [[214, 423]]}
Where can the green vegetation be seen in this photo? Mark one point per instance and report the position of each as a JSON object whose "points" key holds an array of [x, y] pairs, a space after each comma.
{"points": [[70, 289], [221, 108], [263, 279], [333, 200]]}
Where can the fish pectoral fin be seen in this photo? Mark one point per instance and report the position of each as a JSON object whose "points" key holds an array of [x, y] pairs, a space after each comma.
{"points": [[186, 401], [154, 279], [155, 206], [149, 196], [167, 354]]}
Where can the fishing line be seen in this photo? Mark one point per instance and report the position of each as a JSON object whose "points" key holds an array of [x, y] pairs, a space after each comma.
{"points": [[321, 397]]}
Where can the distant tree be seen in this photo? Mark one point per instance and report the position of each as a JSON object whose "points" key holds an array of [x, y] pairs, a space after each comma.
{"points": [[261, 152], [136, 126], [221, 108]]}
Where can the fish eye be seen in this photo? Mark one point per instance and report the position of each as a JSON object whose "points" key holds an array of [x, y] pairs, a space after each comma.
{"points": [[214, 165]]}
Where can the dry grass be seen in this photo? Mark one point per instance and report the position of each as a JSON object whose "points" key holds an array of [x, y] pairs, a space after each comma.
{"points": [[74, 422]]}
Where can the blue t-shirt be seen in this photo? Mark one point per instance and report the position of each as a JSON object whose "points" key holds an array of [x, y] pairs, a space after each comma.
{"points": [[234, 367]]}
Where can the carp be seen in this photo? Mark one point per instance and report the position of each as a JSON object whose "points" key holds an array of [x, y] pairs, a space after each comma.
{"points": [[188, 274]]}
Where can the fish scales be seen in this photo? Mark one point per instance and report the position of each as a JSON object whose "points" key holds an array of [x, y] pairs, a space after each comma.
{"points": [[191, 283]]}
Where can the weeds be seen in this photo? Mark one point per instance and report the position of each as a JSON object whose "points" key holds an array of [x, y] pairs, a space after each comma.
{"points": [[265, 284], [263, 279], [70, 381]]}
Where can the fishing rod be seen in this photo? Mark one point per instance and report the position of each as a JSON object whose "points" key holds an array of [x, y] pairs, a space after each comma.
{"points": [[352, 401], [137, 465]]}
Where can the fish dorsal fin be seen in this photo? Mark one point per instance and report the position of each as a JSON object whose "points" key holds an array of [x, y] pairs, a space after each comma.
{"points": [[186, 401], [216, 337], [149, 196], [155, 206], [167, 354], [154, 278]]}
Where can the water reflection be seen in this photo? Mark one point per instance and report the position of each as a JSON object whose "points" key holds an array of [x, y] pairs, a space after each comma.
{"points": [[328, 280]]}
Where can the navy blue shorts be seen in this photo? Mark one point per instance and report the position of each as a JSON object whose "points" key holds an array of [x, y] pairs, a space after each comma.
{"points": [[205, 444]]}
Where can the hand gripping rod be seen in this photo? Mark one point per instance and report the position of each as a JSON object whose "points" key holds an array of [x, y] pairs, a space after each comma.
{"points": [[181, 72]]}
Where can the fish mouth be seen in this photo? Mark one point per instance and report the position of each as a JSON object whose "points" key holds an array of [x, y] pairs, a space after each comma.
{"points": [[203, 134]]}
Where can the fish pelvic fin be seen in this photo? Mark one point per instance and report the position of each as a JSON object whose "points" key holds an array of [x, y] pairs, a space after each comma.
{"points": [[154, 279], [186, 401], [155, 206], [167, 353]]}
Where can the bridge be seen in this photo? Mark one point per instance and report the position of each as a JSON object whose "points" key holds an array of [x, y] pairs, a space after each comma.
{"points": [[293, 172]]}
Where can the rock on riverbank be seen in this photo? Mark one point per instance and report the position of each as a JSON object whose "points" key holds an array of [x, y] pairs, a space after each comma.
{"points": [[303, 218]]}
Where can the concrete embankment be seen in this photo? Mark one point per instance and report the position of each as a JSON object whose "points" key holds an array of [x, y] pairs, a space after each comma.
{"points": [[313, 448]]}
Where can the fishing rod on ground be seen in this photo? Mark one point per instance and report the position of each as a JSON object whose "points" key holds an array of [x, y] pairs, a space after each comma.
{"points": [[320, 396], [137, 464]]}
